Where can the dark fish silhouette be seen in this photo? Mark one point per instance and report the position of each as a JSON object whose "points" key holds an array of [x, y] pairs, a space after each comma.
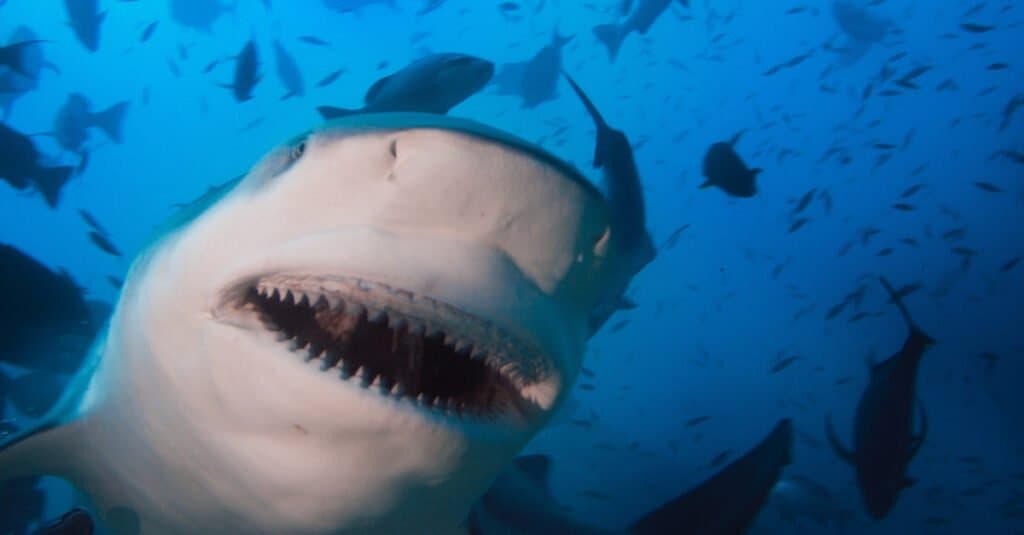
{"points": [[534, 80], [640, 20], [724, 168], [20, 167], [52, 324], [199, 14], [85, 19], [13, 57], [76, 116], [728, 502], [614, 154], [103, 243], [288, 72], [247, 72], [432, 84], [884, 443]]}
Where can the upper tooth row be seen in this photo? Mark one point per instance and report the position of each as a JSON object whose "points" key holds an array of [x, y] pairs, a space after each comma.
{"points": [[373, 314]]}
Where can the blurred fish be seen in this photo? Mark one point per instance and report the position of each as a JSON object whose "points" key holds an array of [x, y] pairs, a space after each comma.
{"points": [[725, 169], [884, 443], [432, 84], [247, 75], [288, 72], [148, 32], [313, 40], [640, 20], [330, 78], [535, 80], [14, 84], [85, 19], [103, 243], [92, 221], [783, 364], [51, 313], [20, 166], [13, 57], [430, 5], [199, 14], [75, 117]]}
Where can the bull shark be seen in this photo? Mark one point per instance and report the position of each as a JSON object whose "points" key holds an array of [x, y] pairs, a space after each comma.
{"points": [[355, 337]]}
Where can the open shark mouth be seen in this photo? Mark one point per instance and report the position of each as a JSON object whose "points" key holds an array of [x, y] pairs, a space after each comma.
{"points": [[402, 345]]}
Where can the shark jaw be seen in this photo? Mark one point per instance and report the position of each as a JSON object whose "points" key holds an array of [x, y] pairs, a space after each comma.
{"points": [[355, 338]]}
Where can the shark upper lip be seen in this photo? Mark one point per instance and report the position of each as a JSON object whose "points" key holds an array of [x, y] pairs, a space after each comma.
{"points": [[403, 345]]}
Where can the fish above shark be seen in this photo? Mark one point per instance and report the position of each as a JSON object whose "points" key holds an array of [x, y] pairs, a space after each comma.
{"points": [[357, 336], [639, 20], [884, 442], [520, 502], [432, 84]]}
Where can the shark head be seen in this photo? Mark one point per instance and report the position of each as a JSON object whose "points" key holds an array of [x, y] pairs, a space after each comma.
{"points": [[357, 335]]}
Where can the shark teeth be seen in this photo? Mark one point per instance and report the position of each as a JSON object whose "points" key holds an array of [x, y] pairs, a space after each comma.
{"points": [[359, 331]]}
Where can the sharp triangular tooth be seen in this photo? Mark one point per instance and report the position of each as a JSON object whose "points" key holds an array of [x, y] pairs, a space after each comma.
{"points": [[478, 353], [366, 376], [334, 302], [449, 340], [375, 315], [263, 291], [298, 343], [421, 398], [275, 295], [462, 346], [289, 299], [348, 369], [303, 299], [282, 336], [376, 382], [312, 353], [398, 390], [331, 358], [321, 302]]}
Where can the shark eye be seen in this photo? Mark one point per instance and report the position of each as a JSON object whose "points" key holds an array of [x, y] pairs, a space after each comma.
{"points": [[297, 151]]}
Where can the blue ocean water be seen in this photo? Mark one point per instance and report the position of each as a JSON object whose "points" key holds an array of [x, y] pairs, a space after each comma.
{"points": [[738, 291]]}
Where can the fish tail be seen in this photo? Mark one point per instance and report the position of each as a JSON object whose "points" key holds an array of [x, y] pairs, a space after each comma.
{"points": [[110, 120], [611, 36], [50, 180]]}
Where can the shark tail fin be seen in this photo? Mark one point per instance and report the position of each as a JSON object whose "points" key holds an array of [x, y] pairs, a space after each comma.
{"points": [[611, 36], [331, 112], [110, 119], [50, 180]]}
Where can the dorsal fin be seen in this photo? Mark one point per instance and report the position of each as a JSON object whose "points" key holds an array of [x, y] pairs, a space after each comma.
{"points": [[371, 93], [536, 467]]}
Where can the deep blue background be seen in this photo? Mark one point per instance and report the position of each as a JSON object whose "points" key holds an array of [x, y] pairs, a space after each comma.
{"points": [[712, 317]]}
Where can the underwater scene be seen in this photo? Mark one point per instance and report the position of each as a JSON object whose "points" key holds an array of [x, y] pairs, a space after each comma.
{"points": [[512, 267]]}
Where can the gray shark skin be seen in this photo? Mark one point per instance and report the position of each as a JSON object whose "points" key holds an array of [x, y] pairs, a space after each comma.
{"points": [[432, 84], [883, 440], [519, 502], [614, 154], [326, 346], [640, 20]]}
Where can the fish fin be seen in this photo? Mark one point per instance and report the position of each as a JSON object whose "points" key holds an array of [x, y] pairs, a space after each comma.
{"points": [[536, 467], [12, 56], [611, 37], [837, 445], [376, 88], [736, 138], [110, 120], [918, 441], [331, 112], [706, 184], [50, 180], [604, 138], [288, 95], [756, 171]]}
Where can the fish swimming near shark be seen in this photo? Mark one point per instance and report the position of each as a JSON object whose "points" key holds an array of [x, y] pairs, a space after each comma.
{"points": [[21, 167], [640, 20], [432, 84], [520, 502], [12, 56], [723, 168], [884, 442], [247, 72], [85, 20], [75, 117], [536, 79], [357, 336], [288, 72], [15, 83], [614, 154]]}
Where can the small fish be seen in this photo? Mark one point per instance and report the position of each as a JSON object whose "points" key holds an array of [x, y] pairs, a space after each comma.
{"points": [[313, 40], [327, 80], [1012, 263], [92, 222], [148, 32], [692, 422], [721, 458], [885, 252], [804, 201], [670, 242], [796, 225], [783, 364], [976, 28], [103, 243], [911, 190], [904, 291], [988, 186], [904, 207], [997, 66], [910, 241]]}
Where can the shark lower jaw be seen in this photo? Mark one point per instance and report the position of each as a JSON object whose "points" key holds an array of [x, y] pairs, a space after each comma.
{"points": [[435, 358]]}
